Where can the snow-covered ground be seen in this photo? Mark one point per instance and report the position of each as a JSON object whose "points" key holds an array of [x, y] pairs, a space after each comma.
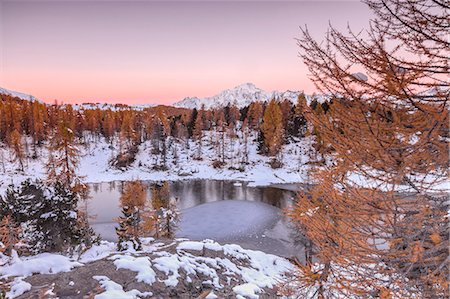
{"points": [[220, 269], [95, 167]]}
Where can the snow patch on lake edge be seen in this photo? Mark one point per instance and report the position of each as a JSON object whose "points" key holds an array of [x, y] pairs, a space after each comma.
{"points": [[220, 268], [95, 167]]}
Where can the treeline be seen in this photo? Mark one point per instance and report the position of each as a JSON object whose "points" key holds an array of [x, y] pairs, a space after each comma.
{"points": [[276, 123]]}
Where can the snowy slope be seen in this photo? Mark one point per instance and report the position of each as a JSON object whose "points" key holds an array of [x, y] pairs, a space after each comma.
{"points": [[21, 95], [113, 107], [95, 163], [241, 96], [83, 106]]}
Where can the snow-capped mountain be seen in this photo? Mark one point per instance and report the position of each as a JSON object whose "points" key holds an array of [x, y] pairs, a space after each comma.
{"points": [[241, 96], [23, 96], [113, 107]]}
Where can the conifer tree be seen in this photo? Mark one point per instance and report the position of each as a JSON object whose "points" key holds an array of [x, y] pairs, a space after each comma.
{"points": [[9, 234], [387, 127], [127, 231], [198, 133], [299, 125], [50, 215], [132, 200], [245, 133], [64, 158], [254, 115], [272, 128], [165, 216], [37, 126], [16, 144], [168, 219]]}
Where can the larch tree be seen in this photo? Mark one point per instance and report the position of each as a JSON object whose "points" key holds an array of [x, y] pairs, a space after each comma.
{"points": [[9, 234], [197, 132], [161, 129], [63, 157], [244, 143], [254, 115], [220, 128], [272, 128], [378, 225], [38, 129], [16, 144]]}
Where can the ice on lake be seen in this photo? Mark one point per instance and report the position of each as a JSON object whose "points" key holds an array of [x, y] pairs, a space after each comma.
{"points": [[223, 211], [253, 225]]}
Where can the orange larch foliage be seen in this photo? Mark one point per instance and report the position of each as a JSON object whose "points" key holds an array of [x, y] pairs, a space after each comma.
{"points": [[372, 215]]}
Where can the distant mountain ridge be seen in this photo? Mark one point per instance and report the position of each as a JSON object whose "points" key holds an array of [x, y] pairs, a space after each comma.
{"points": [[20, 95], [241, 96], [102, 106]]}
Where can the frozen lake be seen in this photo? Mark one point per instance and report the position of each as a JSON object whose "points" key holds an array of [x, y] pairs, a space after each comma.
{"points": [[225, 211]]}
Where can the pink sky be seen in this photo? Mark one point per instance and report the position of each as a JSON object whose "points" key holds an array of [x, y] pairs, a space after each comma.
{"points": [[158, 52]]}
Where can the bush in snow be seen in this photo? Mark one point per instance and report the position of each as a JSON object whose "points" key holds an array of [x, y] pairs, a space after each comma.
{"points": [[48, 216]]}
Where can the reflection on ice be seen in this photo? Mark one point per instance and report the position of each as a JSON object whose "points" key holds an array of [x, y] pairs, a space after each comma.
{"points": [[224, 211]]}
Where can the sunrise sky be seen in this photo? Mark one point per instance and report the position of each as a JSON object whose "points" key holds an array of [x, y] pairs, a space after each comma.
{"points": [[159, 52]]}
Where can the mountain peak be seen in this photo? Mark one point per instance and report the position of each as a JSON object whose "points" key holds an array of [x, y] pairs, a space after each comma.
{"points": [[247, 85], [241, 96]]}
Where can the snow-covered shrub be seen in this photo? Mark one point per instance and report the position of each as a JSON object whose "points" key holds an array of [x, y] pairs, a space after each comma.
{"points": [[167, 220]]}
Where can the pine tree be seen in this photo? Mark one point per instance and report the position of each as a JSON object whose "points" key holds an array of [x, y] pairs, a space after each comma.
{"points": [[50, 215], [134, 194], [127, 230], [168, 219], [133, 201], [198, 133], [164, 216]]}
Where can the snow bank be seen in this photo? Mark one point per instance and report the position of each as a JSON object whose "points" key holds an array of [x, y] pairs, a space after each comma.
{"points": [[114, 290], [44, 263], [141, 265], [185, 262]]}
